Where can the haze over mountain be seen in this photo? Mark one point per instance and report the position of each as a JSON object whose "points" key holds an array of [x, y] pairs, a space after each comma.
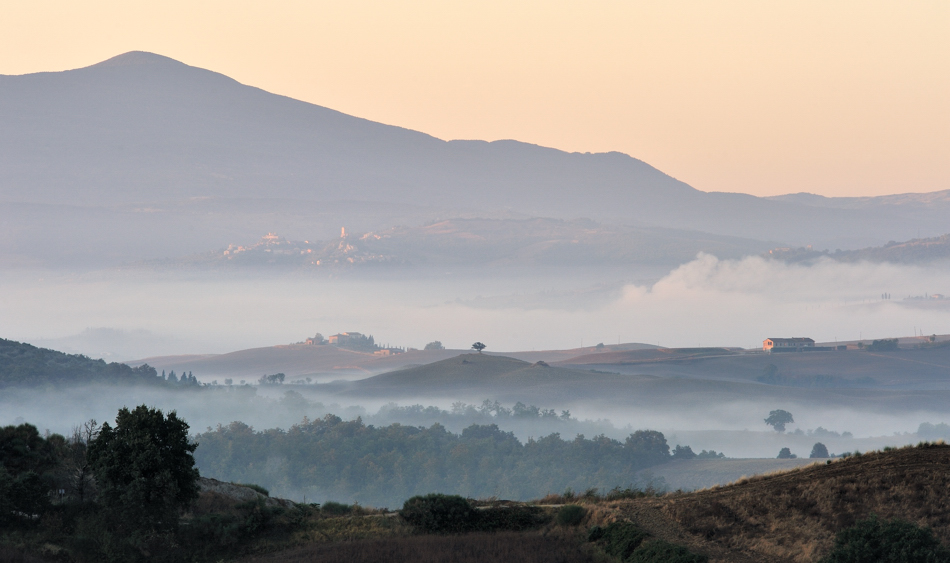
{"points": [[140, 144]]}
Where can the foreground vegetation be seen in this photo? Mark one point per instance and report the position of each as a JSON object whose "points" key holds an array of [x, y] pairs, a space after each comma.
{"points": [[131, 492]]}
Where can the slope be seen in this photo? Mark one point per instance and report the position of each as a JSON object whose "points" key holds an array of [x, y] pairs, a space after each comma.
{"points": [[23, 365], [793, 516], [141, 128]]}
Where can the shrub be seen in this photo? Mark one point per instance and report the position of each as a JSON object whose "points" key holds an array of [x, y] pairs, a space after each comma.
{"points": [[509, 518], [620, 538], [570, 515], [336, 508], [659, 551], [254, 487], [887, 540], [438, 513]]}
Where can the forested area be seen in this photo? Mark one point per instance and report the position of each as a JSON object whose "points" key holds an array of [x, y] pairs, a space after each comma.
{"points": [[28, 366], [335, 459]]}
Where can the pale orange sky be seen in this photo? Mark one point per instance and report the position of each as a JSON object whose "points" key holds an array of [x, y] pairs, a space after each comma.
{"points": [[764, 97]]}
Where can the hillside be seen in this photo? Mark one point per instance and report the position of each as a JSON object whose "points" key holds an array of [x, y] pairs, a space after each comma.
{"points": [[887, 381], [141, 143], [914, 251], [908, 368], [513, 243], [326, 363], [23, 365], [296, 361], [474, 375], [793, 516]]}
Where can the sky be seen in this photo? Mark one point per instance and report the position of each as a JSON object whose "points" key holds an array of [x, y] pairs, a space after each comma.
{"points": [[832, 97]]}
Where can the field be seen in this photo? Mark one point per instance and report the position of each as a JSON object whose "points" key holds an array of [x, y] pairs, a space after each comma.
{"points": [[469, 548]]}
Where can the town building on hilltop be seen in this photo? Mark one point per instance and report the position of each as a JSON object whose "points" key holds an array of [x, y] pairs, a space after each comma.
{"points": [[787, 344]]}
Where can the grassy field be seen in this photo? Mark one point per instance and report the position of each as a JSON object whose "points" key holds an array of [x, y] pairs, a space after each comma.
{"points": [[469, 548]]}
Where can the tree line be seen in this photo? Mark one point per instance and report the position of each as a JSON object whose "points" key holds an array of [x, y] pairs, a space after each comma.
{"points": [[331, 458]]}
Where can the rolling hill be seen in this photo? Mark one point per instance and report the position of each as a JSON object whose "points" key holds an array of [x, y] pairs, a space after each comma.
{"points": [[474, 377]]}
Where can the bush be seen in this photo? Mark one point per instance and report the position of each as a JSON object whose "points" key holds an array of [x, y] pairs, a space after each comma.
{"points": [[509, 518], [336, 508], [571, 515], [887, 540], [620, 538], [659, 551], [254, 487], [438, 513]]}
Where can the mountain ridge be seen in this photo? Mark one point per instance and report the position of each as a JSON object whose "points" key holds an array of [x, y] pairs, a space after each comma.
{"points": [[140, 128]]}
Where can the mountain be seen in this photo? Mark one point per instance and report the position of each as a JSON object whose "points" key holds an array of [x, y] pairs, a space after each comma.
{"points": [[140, 144]]}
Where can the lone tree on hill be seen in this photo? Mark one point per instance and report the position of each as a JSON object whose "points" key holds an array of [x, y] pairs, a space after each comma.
{"points": [[778, 419], [478, 346], [144, 469]]}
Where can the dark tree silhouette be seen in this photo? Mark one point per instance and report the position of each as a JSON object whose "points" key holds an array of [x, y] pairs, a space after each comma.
{"points": [[786, 453], [144, 468], [478, 346], [778, 419], [819, 451]]}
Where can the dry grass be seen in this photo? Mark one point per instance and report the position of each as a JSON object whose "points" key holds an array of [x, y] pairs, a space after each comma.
{"points": [[470, 548], [793, 516], [10, 555]]}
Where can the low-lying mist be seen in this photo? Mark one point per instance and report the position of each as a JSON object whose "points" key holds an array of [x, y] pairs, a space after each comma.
{"points": [[736, 429], [706, 302]]}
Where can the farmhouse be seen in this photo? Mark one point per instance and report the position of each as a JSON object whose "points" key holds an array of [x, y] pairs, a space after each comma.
{"points": [[345, 338], [787, 344]]}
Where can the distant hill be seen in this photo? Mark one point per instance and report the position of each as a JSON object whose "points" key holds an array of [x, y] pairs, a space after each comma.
{"points": [[23, 365], [914, 251], [297, 361], [479, 374], [140, 143], [879, 382], [477, 241], [647, 356], [917, 365]]}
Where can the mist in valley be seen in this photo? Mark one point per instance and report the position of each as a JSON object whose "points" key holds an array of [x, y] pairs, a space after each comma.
{"points": [[125, 315]]}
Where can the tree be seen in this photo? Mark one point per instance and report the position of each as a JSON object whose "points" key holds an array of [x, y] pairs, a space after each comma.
{"points": [[78, 468], [478, 346], [786, 453], [683, 452], [434, 345], [144, 468], [819, 450], [887, 540], [647, 447], [778, 419]]}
